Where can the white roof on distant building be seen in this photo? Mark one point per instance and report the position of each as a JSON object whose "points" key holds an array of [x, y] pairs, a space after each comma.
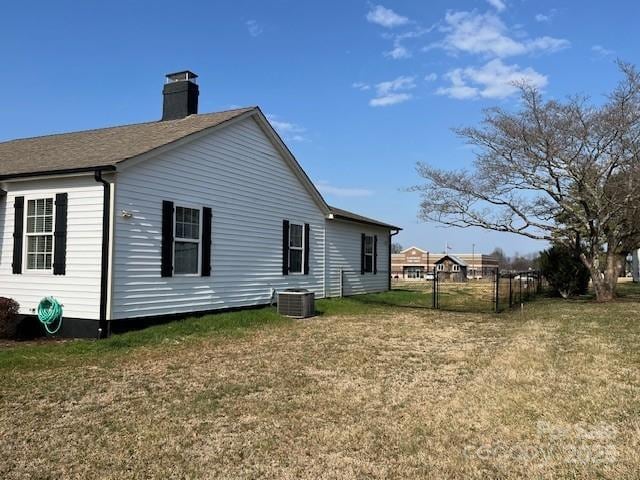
{"points": [[413, 248]]}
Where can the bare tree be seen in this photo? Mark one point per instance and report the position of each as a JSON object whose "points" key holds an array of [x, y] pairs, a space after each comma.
{"points": [[396, 247], [501, 257], [566, 172]]}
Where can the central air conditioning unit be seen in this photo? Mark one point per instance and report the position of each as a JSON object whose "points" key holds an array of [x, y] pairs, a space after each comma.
{"points": [[297, 303]]}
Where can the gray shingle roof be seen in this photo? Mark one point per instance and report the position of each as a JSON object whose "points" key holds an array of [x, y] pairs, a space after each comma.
{"points": [[346, 215], [455, 259], [104, 147]]}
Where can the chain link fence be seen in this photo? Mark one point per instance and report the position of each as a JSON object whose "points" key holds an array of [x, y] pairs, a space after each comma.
{"points": [[495, 291]]}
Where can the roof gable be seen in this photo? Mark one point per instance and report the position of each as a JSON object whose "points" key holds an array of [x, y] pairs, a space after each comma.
{"points": [[413, 248], [453, 258], [288, 157]]}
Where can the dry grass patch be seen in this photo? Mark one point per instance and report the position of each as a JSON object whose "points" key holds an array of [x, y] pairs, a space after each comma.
{"points": [[402, 393]]}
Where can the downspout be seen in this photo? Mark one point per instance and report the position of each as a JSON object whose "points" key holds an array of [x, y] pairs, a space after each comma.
{"points": [[103, 323], [389, 270]]}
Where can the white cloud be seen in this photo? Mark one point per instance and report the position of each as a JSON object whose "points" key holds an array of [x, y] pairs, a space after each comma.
{"points": [[458, 88], [497, 4], [400, 83], [386, 17], [546, 17], [254, 28], [289, 131], [361, 86], [431, 77], [328, 189], [389, 99], [486, 34], [398, 52], [602, 52], [547, 44], [492, 80], [393, 91]]}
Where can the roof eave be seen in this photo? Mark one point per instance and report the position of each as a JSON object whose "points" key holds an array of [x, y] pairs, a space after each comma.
{"points": [[337, 216], [60, 172]]}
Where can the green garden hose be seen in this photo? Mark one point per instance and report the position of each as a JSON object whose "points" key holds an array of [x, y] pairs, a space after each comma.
{"points": [[50, 312]]}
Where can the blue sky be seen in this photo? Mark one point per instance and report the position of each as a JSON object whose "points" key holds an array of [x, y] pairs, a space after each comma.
{"points": [[360, 91]]}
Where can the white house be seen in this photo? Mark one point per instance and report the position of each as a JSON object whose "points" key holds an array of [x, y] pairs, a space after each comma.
{"points": [[190, 214]]}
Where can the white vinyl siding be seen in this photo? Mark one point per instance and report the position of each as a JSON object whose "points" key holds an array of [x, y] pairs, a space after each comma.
{"points": [[238, 173], [79, 289], [343, 254]]}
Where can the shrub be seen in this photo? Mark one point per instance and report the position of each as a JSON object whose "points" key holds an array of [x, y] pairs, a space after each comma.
{"points": [[564, 271], [8, 317]]}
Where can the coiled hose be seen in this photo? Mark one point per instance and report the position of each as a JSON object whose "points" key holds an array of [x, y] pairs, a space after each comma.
{"points": [[49, 312]]}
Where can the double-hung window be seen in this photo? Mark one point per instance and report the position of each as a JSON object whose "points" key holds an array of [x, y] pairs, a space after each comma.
{"points": [[187, 241], [296, 248], [39, 234], [368, 254]]}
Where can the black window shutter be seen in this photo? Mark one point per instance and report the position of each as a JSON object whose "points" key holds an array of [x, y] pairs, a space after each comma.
{"points": [[285, 247], [166, 269], [206, 242], [306, 248], [60, 235], [362, 237], [375, 254], [18, 225]]}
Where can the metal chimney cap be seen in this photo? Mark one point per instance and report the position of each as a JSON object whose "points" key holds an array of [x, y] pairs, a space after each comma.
{"points": [[182, 76]]}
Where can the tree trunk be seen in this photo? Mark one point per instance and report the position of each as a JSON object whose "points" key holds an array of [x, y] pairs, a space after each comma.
{"points": [[604, 283]]}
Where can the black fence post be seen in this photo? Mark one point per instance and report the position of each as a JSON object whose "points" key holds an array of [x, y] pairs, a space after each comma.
{"points": [[435, 288], [497, 290], [510, 292], [520, 279], [539, 282]]}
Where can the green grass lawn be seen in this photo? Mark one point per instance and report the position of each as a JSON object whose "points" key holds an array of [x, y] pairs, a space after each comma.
{"points": [[376, 386], [31, 355]]}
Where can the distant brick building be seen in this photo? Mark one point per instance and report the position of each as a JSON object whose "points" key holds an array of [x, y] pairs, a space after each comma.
{"points": [[413, 263]]}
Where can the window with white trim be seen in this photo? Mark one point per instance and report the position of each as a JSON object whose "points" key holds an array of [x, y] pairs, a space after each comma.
{"points": [[440, 267], [186, 254], [368, 253], [39, 234], [455, 267], [296, 248]]}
